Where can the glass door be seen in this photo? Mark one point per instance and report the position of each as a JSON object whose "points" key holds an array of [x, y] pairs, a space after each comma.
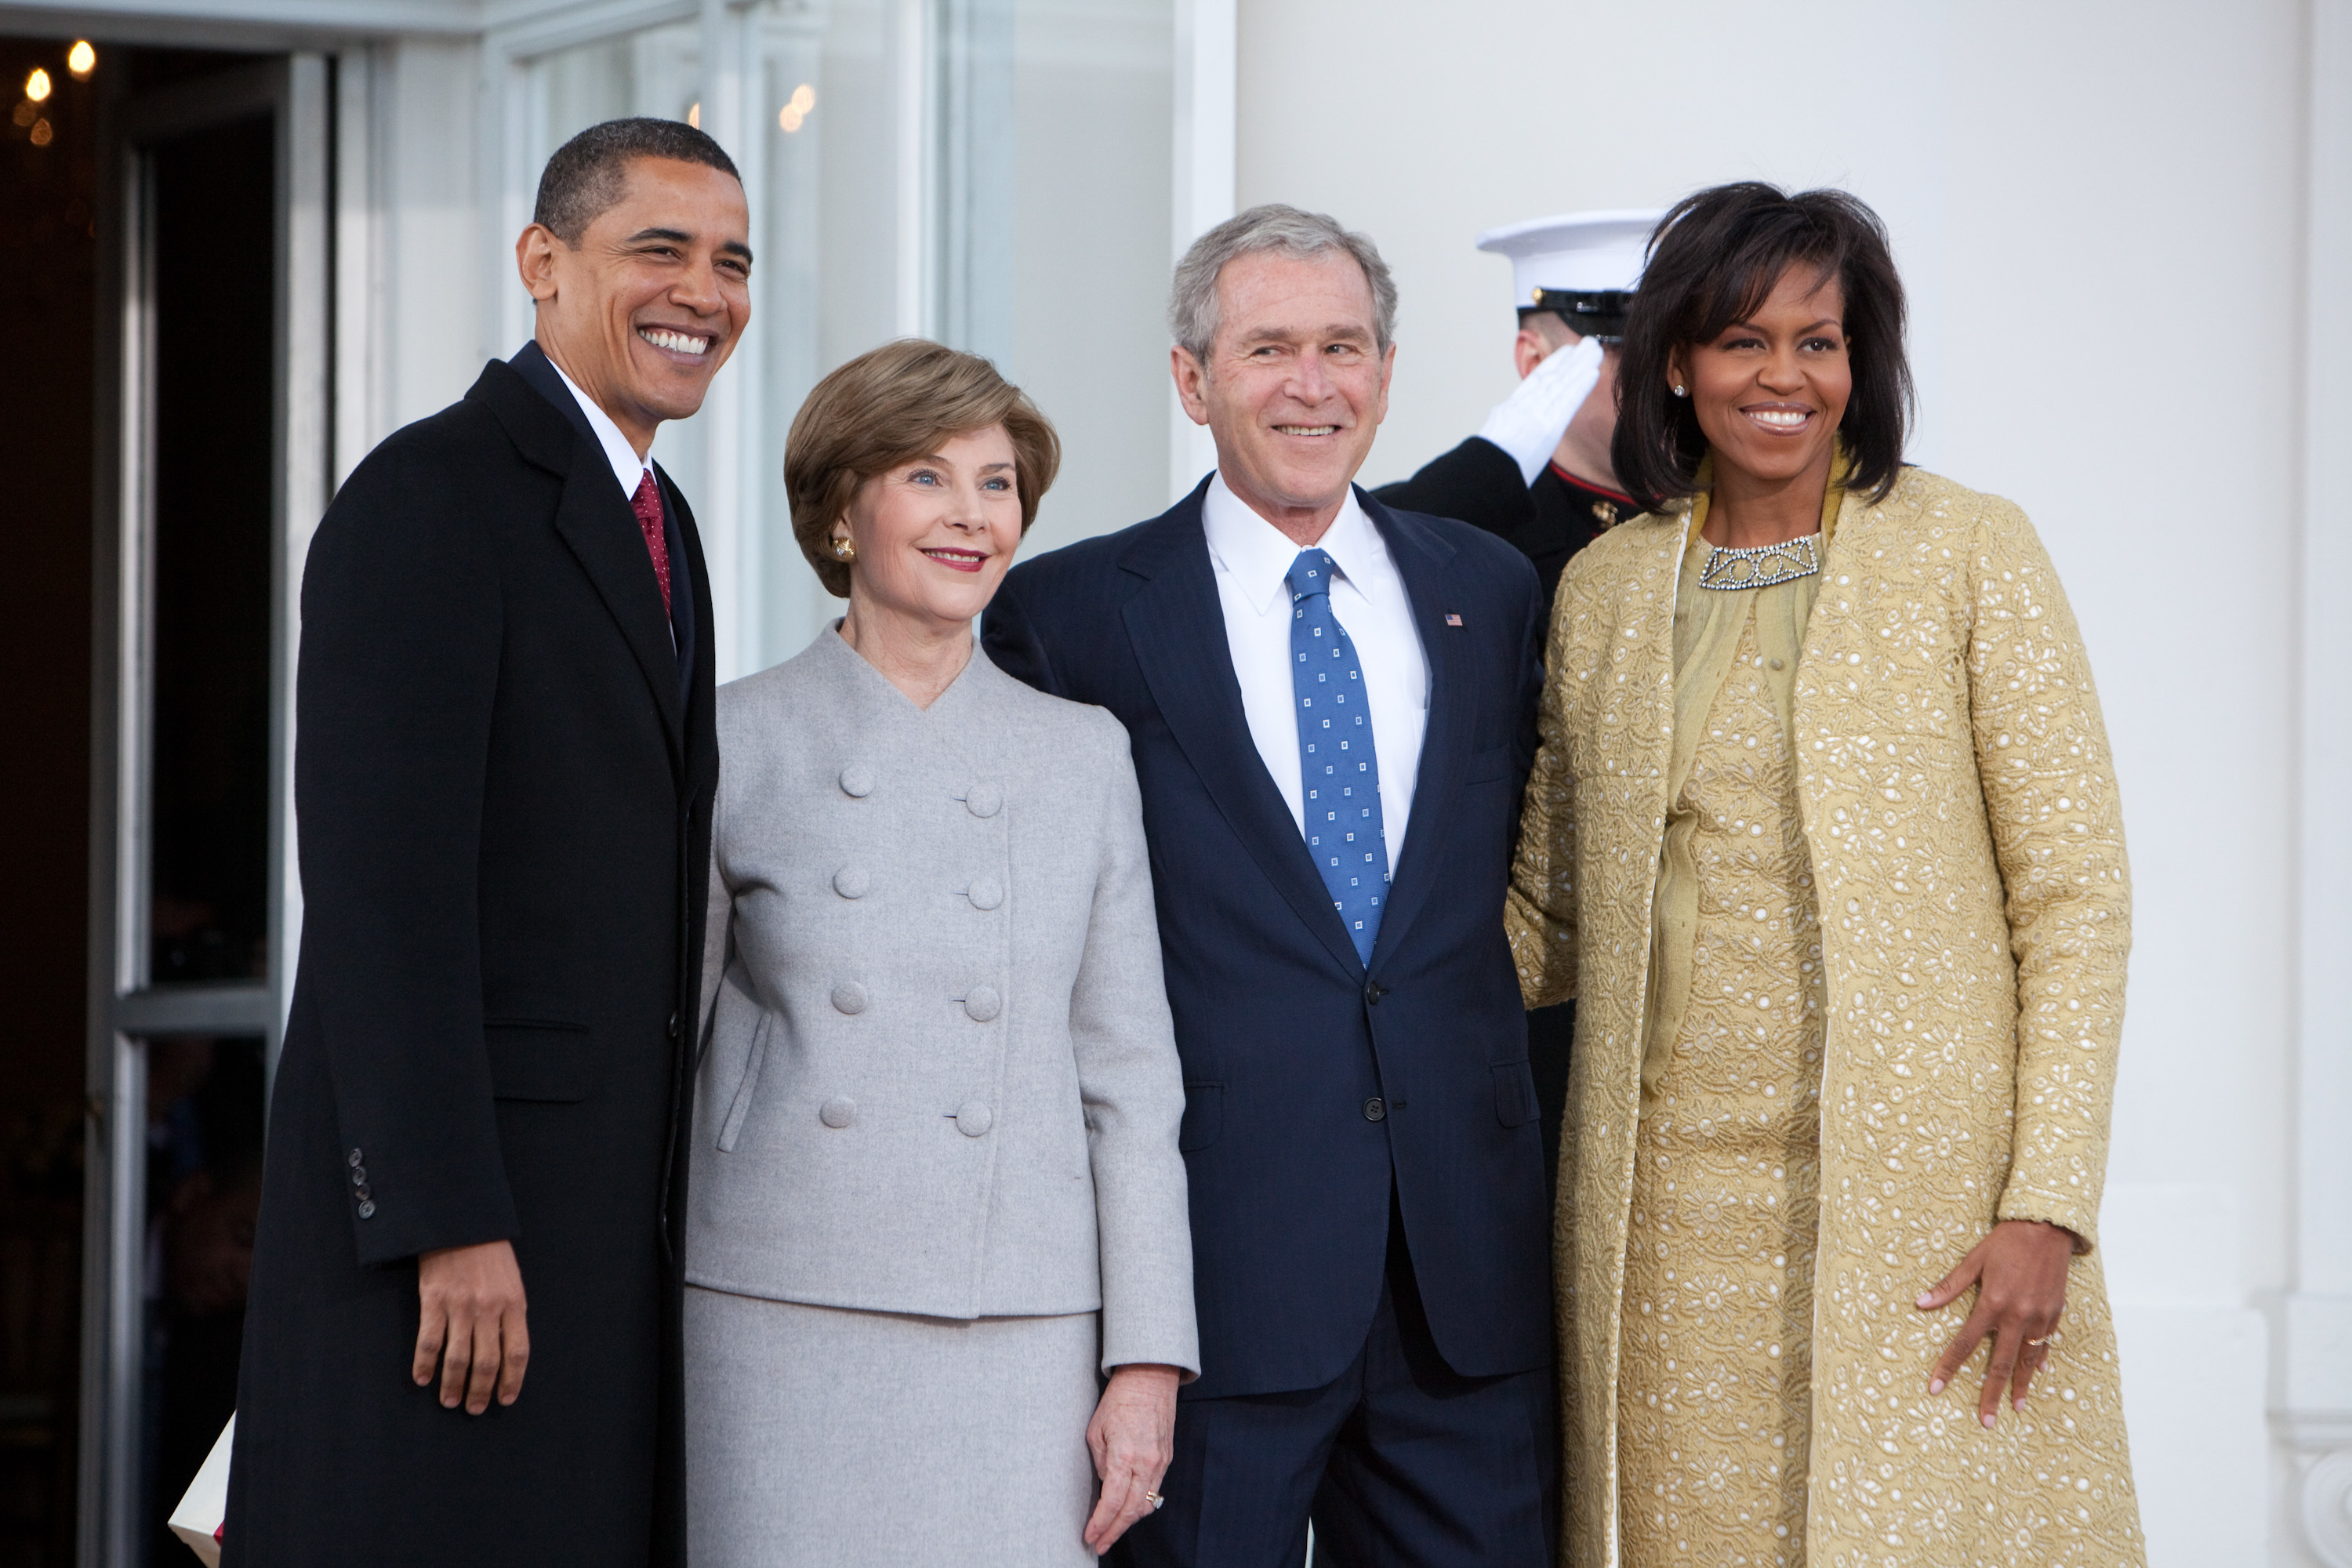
{"points": [[214, 255]]}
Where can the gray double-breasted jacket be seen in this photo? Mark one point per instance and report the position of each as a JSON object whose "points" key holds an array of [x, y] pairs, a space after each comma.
{"points": [[938, 1074]]}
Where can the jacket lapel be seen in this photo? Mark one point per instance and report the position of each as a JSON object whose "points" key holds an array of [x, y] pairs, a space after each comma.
{"points": [[1422, 560], [594, 520], [1178, 629]]}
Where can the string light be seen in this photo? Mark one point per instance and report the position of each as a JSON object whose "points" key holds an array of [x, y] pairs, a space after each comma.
{"points": [[37, 86], [82, 59], [796, 109]]}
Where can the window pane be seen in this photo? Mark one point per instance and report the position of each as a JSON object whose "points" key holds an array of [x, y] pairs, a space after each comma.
{"points": [[215, 206]]}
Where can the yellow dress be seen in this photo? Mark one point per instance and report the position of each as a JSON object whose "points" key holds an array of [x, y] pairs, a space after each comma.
{"points": [[1714, 1407]]}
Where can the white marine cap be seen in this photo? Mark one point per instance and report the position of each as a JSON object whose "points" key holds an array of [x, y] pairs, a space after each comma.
{"points": [[1580, 256]]}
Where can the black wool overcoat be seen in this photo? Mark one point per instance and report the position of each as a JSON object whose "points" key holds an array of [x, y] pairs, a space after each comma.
{"points": [[503, 782]]}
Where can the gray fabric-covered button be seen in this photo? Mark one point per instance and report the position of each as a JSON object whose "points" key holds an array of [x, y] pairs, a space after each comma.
{"points": [[983, 800], [850, 996], [367, 1209], [973, 1118], [851, 881], [354, 1158], [982, 1002], [839, 1112], [857, 780], [986, 893]]}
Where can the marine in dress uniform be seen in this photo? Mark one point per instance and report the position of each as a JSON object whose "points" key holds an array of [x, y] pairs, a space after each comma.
{"points": [[1537, 472]]}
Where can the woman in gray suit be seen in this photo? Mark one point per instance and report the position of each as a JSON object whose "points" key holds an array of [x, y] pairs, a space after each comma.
{"points": [[936, 1197]]}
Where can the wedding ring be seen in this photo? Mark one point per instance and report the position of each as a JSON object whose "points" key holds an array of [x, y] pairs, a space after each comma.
{"points": [[2040, 1343], [1156, 1500]]}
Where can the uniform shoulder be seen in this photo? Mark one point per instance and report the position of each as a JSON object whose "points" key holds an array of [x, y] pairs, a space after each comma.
{"points": [[1080, 559]]}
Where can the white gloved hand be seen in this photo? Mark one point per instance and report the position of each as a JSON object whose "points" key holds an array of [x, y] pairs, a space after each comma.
{"points": [[1529, 423]]}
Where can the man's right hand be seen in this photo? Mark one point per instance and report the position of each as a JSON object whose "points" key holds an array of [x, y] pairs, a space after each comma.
{"points": [[471, 1304]]}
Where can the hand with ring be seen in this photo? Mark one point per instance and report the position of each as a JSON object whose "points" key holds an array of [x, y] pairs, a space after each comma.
{"points": [[2020, 1273], [1133, 1437]]}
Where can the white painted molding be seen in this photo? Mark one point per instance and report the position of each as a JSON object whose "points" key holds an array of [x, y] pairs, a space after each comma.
{"points": [[1207, 96]]}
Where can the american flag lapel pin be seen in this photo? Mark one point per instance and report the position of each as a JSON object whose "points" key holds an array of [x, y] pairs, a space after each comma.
{"points": [[1452, 619]]}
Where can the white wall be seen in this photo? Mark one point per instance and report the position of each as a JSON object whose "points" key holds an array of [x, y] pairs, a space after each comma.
{"points": [[2098, 209]]}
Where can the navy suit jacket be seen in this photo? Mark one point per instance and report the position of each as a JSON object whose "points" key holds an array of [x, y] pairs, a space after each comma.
{"points": [[1286, 1034]]}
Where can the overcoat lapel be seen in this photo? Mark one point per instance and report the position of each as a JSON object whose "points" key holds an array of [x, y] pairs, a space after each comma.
{"points": [[602, 532], [1423, 560], [1178, 631], [594, 520]]}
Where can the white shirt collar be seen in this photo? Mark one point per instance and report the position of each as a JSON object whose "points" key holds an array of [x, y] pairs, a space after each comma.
{"points": [[627, 466], [1258, 556]]}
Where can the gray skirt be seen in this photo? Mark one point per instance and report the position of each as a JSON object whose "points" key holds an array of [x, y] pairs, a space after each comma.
{"points": [[835, 1439]]}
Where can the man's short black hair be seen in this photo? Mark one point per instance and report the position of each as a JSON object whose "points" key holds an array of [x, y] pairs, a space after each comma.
{"points": [[588, 173], [1713, 258]]}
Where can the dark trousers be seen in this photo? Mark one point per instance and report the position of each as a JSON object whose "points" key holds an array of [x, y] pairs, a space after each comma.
{"points": [[1397, 1462]]}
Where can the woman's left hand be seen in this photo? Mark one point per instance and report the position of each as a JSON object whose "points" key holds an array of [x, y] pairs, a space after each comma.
{"points": [[1133, 1436], [2019, 1272]]}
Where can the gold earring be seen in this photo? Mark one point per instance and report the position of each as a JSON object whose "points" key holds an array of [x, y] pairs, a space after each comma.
{"points": [[842, 550]]}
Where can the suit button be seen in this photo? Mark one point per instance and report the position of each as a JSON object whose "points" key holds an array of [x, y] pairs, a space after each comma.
{"points": [[367, 1209], [850, 996], [986, 893], [1375, 1111], [851, 881], [359, 1176], [673, 1026], [973, 1119], [983, 1003], [857, 781], [354, 1159], [839, 1112], [362, 1194], [1373, 992], [983, 800]]}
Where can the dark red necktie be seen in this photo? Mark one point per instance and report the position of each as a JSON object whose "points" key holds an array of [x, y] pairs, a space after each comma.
{"points": [[647, 505]]}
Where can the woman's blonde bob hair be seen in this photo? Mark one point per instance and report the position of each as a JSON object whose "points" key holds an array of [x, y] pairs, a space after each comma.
{"points": [[891, 405]]}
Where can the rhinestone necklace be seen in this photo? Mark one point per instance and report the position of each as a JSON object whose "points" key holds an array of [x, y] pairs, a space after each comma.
{"points": [[1761, 565]]}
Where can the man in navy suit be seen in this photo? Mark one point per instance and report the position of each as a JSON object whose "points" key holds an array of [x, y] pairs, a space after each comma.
{"points": [[1332, 707]]}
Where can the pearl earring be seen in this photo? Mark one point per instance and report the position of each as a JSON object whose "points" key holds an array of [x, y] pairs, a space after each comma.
{"points": [[1679, 390]]}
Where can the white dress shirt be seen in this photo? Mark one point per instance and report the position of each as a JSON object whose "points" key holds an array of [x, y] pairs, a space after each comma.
{"points": [[627, 466], [1252, 560]]}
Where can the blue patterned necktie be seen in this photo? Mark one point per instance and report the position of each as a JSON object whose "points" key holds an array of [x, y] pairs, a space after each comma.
{"points": [[1336, 765]]}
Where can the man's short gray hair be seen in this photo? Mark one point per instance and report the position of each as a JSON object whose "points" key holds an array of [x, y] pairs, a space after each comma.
{"points": [[1192, 314]]}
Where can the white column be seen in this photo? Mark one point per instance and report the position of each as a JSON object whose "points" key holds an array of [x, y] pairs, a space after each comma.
{"points": [[2312, 1373], [1207, 65]]}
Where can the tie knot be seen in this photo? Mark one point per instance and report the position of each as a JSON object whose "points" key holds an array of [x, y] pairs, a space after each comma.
{"points": [[1310, 576], [647, 501]]}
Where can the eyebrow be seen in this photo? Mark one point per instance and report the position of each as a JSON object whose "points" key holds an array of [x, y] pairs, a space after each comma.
{"points": [[1824, 322], [679, 236], [1349, 329]]}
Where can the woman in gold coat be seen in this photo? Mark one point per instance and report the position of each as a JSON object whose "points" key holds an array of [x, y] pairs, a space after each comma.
{"points": [[1823, 834]]}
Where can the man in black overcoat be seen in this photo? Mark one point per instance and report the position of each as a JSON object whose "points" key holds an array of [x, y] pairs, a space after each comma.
{"points": [[503, 776], [1538, 472]]}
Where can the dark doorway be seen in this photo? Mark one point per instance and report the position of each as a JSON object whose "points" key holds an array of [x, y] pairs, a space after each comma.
{"points": [[199, 657], [49, 247]]}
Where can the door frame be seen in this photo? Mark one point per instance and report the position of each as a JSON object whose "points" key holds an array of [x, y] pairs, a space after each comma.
{"points": [[124, 1010]]}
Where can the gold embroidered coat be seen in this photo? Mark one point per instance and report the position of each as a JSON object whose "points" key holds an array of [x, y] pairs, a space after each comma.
{"points": [[1958, 806]]}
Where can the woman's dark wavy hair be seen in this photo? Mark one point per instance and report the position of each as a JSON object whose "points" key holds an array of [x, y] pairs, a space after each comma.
{"points": [[1713, 258]]}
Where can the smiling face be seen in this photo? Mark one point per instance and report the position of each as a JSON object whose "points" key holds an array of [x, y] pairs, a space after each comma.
{"points": [[643, 312], [1295, 386], [934, 537], [1770, 390]]}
